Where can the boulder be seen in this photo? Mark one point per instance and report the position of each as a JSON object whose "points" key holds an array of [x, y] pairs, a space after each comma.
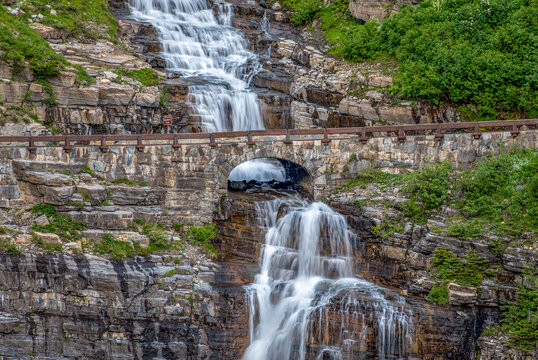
{"points": [[49, 238], [461, 295]]}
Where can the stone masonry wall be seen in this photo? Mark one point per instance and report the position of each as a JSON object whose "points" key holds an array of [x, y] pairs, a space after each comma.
{"points": [[188, 182]]}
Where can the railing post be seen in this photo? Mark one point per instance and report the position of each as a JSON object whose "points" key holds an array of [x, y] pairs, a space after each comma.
{"points": [[401, 135], [139, 144], [103, 147], [249, 139], [514, 131], [67, 146], [288, 140], [363, 138], [31, 148], [439, 135], [175, 145], [325, 140], [476, 132], [212, 142]]}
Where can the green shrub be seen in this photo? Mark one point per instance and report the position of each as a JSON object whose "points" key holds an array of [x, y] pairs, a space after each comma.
{"points": [[439, 294], [157, 234], [521, 317], [503, 191], [465, 229], [117, 250], [466, 271], [83, 78], [202, 235], [61, 225], [473, 53], [87, 170]]}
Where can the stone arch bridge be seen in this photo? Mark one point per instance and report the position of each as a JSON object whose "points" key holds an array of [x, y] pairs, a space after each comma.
{"points": [[186, 174]]}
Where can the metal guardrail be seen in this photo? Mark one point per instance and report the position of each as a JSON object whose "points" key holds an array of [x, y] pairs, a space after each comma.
{"points": [[68, 141]]}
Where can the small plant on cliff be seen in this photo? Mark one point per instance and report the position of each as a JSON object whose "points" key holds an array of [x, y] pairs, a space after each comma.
{"points": [[7, 248], [61, 225], [146, 76], [521, 318], [87, 170], [117, 249], [49, 248], [202, 235], [439, 294], [466, 271]]}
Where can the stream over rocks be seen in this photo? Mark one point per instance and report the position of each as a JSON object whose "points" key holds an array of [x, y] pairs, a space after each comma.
{"points": [[200, 44]]}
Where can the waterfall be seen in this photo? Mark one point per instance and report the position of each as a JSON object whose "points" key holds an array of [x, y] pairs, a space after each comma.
{"points": [[305, 299], [200, 44]]}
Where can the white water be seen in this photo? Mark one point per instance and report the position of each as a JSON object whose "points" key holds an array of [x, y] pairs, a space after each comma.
{"points": [[200, 44], [259, 170], [306, 275]]}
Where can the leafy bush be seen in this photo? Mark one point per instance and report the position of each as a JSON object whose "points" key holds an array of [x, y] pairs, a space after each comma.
{"points": [[117, 250], [465, 271], [503, 190], [461, 51], [521, 318], [202, 235], [465, 229], [439, 294], [157, 235]]}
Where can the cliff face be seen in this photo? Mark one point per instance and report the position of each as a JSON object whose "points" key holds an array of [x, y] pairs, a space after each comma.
{"points": [[60, 306]]}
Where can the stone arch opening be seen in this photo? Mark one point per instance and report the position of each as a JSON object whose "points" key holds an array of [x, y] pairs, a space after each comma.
{"points": [[271, 172]]}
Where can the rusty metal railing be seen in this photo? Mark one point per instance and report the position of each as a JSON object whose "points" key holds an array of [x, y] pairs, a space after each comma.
{"points": [[364, 133]]}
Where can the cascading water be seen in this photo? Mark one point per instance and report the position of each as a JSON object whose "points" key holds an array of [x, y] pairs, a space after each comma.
{"points": [[305, 302], [199, 42]]}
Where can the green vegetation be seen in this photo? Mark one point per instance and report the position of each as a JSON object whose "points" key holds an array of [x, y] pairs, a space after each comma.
{"points": [[49, 248], [466, 271], [521, 321], [146, 76], [498, 196], [503, 190], [202, 235], [118, 250], [125, 181], [20, 44], [7, 248], [386, 229], [83, 78], [439, 294], [478, 54], [87, 170], [74, 17], [61, 225]]}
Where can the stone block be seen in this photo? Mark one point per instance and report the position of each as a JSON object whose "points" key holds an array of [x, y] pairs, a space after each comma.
{"points": [[49, 238], [56, 195], [461, 295]]}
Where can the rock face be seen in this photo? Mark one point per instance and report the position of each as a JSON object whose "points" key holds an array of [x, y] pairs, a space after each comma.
{"points": [[365, 10], [88, 307]]}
